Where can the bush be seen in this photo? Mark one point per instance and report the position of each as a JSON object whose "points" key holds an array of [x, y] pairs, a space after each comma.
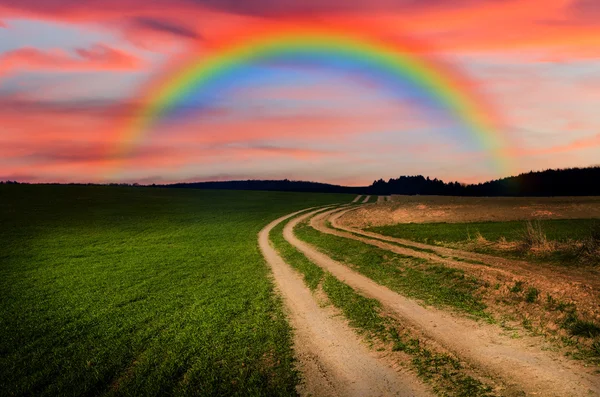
{"points": [[590, 249], [596, 347], [518, 287], [533, 237], [532, 295], [584, 328]]}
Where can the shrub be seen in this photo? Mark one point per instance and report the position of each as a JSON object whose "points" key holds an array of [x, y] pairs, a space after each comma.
{"points": [[590, 249], [584, 328], [533, 237], [532, 295], [596, 347], [518, 287]]}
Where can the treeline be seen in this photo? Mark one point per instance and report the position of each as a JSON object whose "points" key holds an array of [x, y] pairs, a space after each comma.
{"points": [[559, 182], [563, 182]]}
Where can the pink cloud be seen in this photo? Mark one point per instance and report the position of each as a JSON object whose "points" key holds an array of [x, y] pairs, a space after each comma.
{"points": [[577, 144], [474, 25], [99, 57]]}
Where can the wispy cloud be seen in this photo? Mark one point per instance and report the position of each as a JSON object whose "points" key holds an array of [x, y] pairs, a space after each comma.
{"points": [[99, 57]]}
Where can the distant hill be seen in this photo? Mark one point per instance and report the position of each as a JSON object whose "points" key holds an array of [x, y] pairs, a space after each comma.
{"points": [[552, 182], [273, 185]]}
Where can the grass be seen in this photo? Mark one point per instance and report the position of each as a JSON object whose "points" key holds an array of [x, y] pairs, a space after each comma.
{"points": [[439, 366], [553, 240], [141, 291], [584, 328], [532, 295], [313, 274], [561, 230], [364, 314], [372, 199], [517, 288], [414, 277], [361, 312]]}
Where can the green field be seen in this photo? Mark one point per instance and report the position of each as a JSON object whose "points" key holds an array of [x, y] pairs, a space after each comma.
{"points": [[561, 230], [433, 284], [568, 238], [141, 291]]}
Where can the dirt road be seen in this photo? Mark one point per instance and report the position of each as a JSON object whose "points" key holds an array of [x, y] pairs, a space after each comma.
{"points": [[575, 284], [520, 363], [366, 200], [356, 198], [332, 359]]}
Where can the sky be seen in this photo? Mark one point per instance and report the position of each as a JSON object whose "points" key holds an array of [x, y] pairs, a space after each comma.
{"points": [[73, 76]]}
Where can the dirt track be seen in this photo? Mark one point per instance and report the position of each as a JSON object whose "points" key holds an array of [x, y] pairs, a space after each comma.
{"points": [[356, 198], [332, 359], [518, 362], [577, 285], [366, 199]]}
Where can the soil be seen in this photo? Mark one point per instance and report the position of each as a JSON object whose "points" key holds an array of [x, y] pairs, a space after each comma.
{"points": [[422, 209]]}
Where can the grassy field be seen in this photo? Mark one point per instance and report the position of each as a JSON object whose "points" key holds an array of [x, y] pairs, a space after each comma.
{"points": [[561, 230], [564, 237], [140, 291]]}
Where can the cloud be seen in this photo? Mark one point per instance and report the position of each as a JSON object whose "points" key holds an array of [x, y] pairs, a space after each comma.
{"points": [[3, 25], [255, 7], [157, 33], [164, 26], [577, 144], [586, 8], [465, 25], [98, 57]]}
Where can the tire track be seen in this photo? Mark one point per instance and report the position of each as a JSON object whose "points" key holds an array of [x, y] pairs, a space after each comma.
{"points": [[366, 200], [507, 268], [517, 362], [356, 198], [333, 361]]}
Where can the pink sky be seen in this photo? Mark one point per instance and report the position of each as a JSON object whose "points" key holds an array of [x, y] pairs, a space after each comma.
{"points": [[71, 74]]}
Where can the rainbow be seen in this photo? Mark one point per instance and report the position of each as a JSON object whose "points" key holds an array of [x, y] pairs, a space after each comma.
{"points": [[395, 66]]}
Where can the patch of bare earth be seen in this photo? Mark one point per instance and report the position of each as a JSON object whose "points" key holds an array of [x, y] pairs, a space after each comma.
{"points": [[424, 209], [520, 363], [332, 359]]}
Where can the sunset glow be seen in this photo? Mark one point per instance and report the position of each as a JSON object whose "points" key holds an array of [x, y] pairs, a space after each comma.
{"points": [[338, 92]]}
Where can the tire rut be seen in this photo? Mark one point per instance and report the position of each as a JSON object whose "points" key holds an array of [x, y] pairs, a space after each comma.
{"points": [[332, 358], [517, 267]]}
